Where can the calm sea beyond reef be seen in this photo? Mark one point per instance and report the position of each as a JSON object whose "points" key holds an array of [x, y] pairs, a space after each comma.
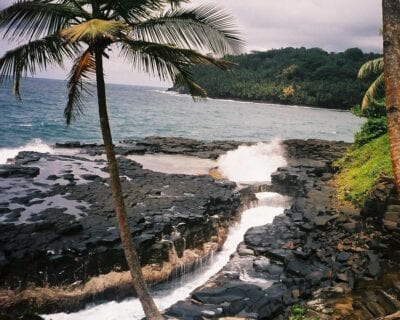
{"points": [[137, 112]]}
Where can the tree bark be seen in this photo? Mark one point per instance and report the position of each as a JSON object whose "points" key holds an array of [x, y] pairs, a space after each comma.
{"points": [[391, 56], [149, 307]]}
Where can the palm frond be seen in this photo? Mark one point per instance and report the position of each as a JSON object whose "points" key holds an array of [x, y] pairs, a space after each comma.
{"points": [[370, 95], [174, 54], [35, 56], [132, 11], [83, 68], [92, 29], [177, 3], [205, 28], [371, 67], [184, 79], [169, 63], [136, 11], [37, 18]]}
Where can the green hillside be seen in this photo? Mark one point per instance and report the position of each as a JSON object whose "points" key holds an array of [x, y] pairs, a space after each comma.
{"points": [[299, 76]]}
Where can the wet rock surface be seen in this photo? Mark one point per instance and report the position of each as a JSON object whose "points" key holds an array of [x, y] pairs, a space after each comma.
{"points": [[166, 145], [315, 252], [62, 223], [190, 147], [7, 171]]}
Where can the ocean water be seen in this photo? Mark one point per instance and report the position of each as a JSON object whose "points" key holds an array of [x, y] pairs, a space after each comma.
{"points": [[137, 112]]}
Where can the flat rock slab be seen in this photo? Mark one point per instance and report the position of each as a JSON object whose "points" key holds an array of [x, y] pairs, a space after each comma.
{"points": [[74, 236]]}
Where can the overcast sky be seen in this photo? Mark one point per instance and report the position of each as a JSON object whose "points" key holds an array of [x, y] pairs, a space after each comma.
{"points": [[266, 24]]}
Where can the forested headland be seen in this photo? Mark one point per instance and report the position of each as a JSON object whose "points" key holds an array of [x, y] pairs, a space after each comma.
{"points": [[297, 76]]}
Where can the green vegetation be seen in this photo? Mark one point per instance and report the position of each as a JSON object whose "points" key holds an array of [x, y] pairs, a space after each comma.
{"points": [[369, 157], [291, 76], [372, 129], [298, 312], [376, 124], [360, 168]]}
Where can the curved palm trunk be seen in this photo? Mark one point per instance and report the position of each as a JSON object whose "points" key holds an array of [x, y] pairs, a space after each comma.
{"points": [[131, 256], [391, 55]]}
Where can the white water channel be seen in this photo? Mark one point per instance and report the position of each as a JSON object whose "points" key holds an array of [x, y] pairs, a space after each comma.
{"points": [[270, 205]]}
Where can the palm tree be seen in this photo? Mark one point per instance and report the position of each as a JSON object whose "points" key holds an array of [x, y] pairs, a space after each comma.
{"points": [[374, 66], [155, 36], [391, 58]]}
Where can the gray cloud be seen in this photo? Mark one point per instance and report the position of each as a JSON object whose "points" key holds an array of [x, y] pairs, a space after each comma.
{"points": [[265, 24], [332, 25]]}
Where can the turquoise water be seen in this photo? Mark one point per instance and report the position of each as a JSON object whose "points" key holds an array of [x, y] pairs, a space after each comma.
{"points": [[137, 112]]}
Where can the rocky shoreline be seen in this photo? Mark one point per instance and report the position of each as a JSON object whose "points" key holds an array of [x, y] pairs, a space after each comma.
{"points": [[336, 260], [316, 251], [62, 224]]}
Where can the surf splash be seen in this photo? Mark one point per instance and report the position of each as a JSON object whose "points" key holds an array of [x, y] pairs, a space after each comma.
{"points": [[36, 145], [250, 164], [169, 293], [255, 163]]}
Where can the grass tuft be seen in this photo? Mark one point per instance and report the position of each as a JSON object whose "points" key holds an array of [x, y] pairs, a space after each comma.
{"points": [[359, 169], [298, 312]]}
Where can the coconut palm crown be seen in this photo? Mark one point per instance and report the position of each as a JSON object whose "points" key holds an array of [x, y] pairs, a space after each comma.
{"points": [[149, 37], [155, 36]]}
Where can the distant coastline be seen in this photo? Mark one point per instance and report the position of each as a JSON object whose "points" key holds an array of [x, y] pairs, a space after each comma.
{"points": [[183, 91], [289, 76]]}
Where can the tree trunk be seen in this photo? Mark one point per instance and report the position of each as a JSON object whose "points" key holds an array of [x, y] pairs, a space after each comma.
{"points": [[391, 56], [131, 256]]}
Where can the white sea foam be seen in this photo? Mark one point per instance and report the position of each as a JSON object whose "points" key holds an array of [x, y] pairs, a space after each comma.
{"points": [[130, 309], [34, 145], [255, 163]]}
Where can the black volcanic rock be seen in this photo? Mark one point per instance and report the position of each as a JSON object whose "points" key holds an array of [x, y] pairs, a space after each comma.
{"points": [[8, 170], [300, 249], [59, 239], [26, 157], [191, 147], [74, 144], [311, 245]]}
